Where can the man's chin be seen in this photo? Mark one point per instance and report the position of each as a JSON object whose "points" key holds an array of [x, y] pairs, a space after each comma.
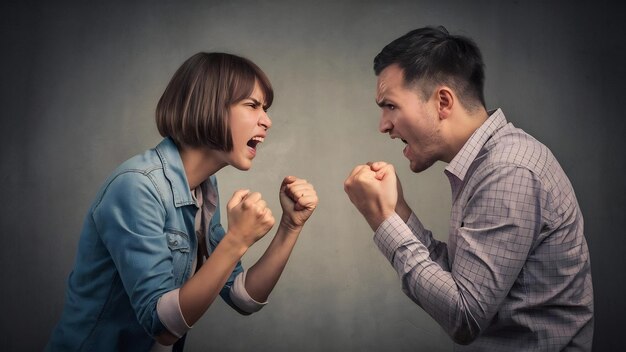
{"points": [[418, 167]]}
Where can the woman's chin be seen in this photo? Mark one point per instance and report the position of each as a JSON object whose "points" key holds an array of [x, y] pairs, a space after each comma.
{"points": [[244, 166]]}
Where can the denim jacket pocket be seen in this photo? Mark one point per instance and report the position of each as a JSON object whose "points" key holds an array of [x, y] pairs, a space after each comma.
{"points": [[178, 243]]}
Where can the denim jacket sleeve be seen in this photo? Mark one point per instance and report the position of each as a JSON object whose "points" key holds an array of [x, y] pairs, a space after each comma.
{"points": [[130, 219]]}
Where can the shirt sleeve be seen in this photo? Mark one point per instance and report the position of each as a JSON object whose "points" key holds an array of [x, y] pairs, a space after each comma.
{"points": [[130, 218], [240, 297], [168, 308], [500, 220], [438, 250]]}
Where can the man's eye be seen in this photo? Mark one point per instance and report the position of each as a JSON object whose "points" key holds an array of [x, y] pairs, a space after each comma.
{"points": [[391, 107]]}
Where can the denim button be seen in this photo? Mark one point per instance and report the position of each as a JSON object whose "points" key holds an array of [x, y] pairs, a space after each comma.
{"points": [[178, 242]]}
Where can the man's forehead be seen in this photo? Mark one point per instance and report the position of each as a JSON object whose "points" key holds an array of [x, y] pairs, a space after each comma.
{"points": [[386, 86], [390, 77], [381, 89]]}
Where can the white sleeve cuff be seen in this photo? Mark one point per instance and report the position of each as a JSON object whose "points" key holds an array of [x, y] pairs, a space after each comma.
{"points": [[240, 296], [168, 309]]}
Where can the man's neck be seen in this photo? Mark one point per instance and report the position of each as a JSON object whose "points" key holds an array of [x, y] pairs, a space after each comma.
{"points": [[465, 125]]}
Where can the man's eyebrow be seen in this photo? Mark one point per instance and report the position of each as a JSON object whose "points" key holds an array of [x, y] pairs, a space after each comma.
{"points": [[381, 102]]}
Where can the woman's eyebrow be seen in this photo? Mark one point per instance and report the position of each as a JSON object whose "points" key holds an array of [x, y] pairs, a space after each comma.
{"points": [[258, 103], [254, 101]]}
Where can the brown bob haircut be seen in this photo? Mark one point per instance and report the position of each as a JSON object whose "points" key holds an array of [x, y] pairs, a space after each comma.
{"points": [[193, 110]]}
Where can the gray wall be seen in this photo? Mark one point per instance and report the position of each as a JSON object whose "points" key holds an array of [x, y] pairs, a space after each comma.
{"points": [[79, 84]]}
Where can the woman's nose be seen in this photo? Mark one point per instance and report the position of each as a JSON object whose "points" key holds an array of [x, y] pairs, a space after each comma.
{"points": [[265, 121]]}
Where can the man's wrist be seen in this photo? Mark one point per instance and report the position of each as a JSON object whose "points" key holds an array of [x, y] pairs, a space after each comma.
{"points": [[403, 210], [376, 221]]}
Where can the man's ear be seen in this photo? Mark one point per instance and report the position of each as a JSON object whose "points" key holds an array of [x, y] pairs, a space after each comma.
{"points": [[445, 101]]}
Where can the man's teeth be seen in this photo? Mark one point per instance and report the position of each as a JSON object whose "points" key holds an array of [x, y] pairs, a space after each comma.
{"points": [[258, 139]]}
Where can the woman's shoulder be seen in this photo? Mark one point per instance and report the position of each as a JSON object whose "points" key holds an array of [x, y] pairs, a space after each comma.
{"points": [[143, 163], [141, 174]]}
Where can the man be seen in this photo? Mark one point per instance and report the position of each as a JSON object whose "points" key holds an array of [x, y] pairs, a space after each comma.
{"points": [[515, 275]]}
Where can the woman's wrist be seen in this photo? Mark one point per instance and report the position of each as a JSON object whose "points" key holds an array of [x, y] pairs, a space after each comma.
{"points": [[288, 225], [233, 244]]}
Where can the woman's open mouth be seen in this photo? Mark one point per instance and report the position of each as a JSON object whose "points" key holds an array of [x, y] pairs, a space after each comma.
{"points": [[254, 142]]}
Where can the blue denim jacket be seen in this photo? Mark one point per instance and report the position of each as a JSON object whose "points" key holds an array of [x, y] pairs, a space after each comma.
{"points": [[138, 242]]}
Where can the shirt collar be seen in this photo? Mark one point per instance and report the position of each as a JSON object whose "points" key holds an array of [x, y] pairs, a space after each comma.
{"points": [[209, 191], [174, 172], [205, 195], [461, 162]]}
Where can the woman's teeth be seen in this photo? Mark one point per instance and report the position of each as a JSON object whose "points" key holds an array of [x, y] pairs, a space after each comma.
{"points": [[252, 143]]}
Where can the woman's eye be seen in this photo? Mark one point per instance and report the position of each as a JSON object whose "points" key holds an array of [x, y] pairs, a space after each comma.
{"points": [[391, 107]]}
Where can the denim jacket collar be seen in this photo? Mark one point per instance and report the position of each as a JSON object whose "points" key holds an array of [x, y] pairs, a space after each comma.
{"points": [[174, 172]]}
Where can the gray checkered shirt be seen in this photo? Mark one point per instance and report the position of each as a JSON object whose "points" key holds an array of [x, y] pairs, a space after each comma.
{"points": [[515, 275]]}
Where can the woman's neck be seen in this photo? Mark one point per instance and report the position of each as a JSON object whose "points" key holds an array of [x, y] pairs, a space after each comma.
{"points": [[200, 164]]}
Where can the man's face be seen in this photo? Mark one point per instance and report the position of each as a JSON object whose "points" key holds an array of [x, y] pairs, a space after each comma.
{"points": [[405, 115]]}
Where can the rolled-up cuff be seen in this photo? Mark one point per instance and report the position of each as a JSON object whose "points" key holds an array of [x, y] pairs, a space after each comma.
{"points": [[168, 309], [240, 296]]}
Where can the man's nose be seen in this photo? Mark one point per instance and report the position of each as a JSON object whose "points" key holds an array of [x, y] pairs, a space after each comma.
{"points": [[384, 126]]}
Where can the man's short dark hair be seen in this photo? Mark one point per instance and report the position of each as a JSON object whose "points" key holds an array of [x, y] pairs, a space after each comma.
{"points": [[431, 56]]}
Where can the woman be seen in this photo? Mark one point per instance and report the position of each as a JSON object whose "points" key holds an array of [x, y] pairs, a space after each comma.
{"points": [[152, 254]]}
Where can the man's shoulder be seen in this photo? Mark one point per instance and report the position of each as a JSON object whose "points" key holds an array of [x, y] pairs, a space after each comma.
{"points": [[512, 146]]}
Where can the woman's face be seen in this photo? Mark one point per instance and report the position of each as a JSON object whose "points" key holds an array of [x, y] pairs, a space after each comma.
{"points": [[249, 123]]}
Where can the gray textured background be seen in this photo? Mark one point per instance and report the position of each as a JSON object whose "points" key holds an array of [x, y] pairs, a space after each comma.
{"points": [[80, 82]]}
